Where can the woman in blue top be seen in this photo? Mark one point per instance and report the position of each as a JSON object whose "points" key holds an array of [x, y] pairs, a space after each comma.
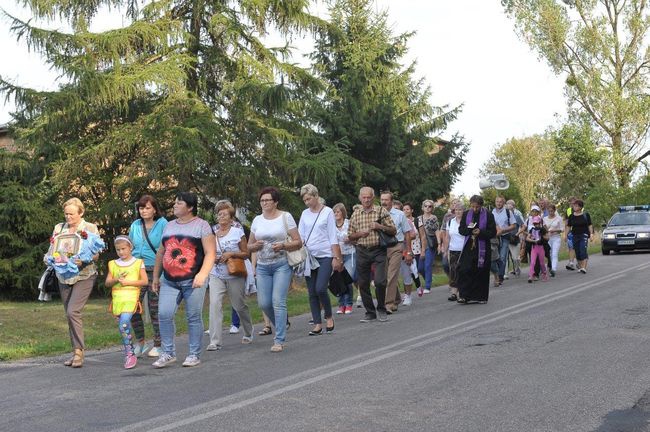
{"points": [[146, 234]]}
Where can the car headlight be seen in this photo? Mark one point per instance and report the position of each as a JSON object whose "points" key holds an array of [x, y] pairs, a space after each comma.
{"points": [[643, 235], [610, 236]]}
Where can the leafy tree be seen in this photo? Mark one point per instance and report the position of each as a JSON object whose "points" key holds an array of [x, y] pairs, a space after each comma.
{"points": [[582, 167], [378, 112], [185, 96], [602, 47], [27, 216], [528, 164]]}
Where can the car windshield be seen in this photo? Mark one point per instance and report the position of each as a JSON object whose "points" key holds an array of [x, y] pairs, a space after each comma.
{"points": [[630, 219]]}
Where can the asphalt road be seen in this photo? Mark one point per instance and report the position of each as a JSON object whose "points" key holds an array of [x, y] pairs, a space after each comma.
{"points": [[572, 354]]}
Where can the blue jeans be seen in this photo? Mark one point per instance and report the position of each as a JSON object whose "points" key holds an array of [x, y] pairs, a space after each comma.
{"points": [[170, 296], [349, 263], [580, 245], [273, 282], [504, 248], [425, 267], [234, 318], [317, 287]]}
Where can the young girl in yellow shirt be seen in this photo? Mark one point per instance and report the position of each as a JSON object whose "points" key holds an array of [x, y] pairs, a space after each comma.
{"points": [[126, 275]]}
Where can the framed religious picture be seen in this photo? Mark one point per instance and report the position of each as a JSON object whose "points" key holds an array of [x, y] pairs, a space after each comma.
{"points": [[67, 244]]}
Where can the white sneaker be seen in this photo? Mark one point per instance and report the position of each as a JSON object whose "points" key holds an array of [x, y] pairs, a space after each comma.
{"points": [[138, 350], [154, 352], [211, 347], [163, 361], [191, 361], [407, 301], [233, 330], [247, 340], [583, 270], [206, 332], [426, 291], [359, 302]]}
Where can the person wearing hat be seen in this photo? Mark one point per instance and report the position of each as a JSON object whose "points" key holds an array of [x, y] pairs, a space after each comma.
{"points": [[537, 235]]}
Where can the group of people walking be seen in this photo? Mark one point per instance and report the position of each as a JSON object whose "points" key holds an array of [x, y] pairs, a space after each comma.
{"points": [[177, 260]]}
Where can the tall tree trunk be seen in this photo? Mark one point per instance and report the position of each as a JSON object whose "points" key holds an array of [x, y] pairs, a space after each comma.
{"points": [[195, 44]]}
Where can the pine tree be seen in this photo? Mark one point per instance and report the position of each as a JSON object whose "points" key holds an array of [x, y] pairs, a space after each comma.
{"points": [[377, 110]]}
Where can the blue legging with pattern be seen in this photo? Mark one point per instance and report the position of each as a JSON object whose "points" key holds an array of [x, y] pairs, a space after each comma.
{"points": [[126, 331]]}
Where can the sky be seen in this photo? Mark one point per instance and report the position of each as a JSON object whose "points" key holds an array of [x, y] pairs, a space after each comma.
{"points": [[466, 50]]}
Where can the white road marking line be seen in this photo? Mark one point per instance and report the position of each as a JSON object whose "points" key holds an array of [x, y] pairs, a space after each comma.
{"points": [[256, 394]]}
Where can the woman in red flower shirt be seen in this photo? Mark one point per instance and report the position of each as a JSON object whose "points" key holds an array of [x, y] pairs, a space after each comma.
{"points": [[185, 257]]}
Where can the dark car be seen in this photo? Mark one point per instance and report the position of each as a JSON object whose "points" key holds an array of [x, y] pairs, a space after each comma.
{"points": [[628, 229]]}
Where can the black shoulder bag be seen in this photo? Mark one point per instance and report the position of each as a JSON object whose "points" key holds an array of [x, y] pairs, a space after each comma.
{"points": [[385, 240]]}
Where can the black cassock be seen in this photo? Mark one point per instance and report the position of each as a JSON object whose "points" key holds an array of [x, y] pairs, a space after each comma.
{"points": [[474, 282]]}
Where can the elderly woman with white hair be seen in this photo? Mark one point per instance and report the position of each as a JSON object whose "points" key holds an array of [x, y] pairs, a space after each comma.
{"points": [[317, 227], [75, 290]]}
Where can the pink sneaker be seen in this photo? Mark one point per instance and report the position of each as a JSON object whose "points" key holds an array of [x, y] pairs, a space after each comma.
{"points": [[348, 310], [340, 310], [420, 292], [545, 277], [130, 361]]}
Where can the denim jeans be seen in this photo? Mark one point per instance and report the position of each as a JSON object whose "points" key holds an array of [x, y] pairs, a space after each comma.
{"points": [[504, 248], [234, 318], [580, 245], [345, 299], [273, 282], [317, 287], [170, 296], [425, 266]]}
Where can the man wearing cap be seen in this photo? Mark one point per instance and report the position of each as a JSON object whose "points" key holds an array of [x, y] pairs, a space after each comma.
{"points": [[505, 222]]}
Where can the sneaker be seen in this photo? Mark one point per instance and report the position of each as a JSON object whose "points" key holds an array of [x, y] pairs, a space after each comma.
{"points": [[407, 301], [212, 347], [206, 332], [359, 302], [233, 330], [277, 347], [518, 272], [368, 318], [138, 349], [505, 276], [426, 291], [191, 361], [348, 310], [382, 316], [247, 340], [163, 361], [552, 273], [340, 310], [420, 292], [154, 352], [530, 280], [571, 266], [545, 277], [130, 361], [583, 270]]}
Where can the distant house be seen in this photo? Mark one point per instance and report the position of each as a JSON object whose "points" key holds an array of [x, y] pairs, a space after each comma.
{"points": [[6, 140]]}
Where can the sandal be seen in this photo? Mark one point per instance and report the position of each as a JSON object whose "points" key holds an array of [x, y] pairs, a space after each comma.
{"points": [[461, 300], [265, 331]]}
